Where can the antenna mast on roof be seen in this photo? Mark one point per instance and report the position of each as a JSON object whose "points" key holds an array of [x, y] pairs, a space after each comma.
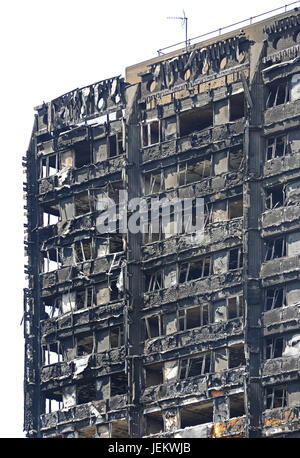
{"points": [[184, 20]]}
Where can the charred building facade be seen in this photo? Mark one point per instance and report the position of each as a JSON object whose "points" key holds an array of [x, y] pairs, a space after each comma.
{"points": [[138, 335]]}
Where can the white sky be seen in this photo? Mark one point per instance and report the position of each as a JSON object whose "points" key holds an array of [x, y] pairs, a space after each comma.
{"points": [[49, 48]]}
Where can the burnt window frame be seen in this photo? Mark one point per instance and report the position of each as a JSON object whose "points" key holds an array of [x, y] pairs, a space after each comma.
{"points": [[205, 317], [272, 147], [270, 400], [240, 259], [271, 301]]}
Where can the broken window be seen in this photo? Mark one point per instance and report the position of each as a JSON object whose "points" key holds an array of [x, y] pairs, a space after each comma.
{"points": [[116, 243], [275, 298], [87, 433], [50, 214], [153, 326], [235, 307], [279, 93], [51, 260], [195, 366], [154, 281], [196, 414], [114, 190], [154, 374], [53, 402], [83, 251], [52, 307], [237, 405], [236, 160], [114, 292], [275, 197], [276, 147], [48, 166], [85, 344], [119, 429], [201, 268], [192, 172], [116, 337], [66, 159], [83, 154], [82, 203], [194, 317], [276, 397], [195, 120], [274, 347], [208, 214], [236, 356], [235, 208], [235, 259], [276, 249], [85, 298], [52, 354], [86, 393], [154, 423], [151, 133], [115, 145], [237, 107], [118, 384], [153, 182]]}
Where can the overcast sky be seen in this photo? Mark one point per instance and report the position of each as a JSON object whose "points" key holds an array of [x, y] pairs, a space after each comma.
{"points": [[49, 48]]}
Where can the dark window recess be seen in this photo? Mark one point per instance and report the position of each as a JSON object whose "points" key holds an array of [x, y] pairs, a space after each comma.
{"points": [[154, 423], [274, 347], [84, 298], [48, 166], [154, 281], [235, 259], [50, 214], [237, 107], [86, 393], [153, 326], [115, 145], [82, 203], [192, 172], [275, 198], [236, 160], [275, 298], [193, 367], [83, 250], [275, 249], [196, 414], [235, 208], [151, 133], [154, 375], [195, 270], [276, 147], [236, 356], [153, 182], [116, 243], [116, 337], [208, 214], [278, 94], [85, 345], [118, 384], [195, 120], [276, 397], [237, 405], [114, 292], [192, 318], [83, 154], [235, 307]]}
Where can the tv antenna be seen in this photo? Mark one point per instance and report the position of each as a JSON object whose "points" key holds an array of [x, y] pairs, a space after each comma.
{"points": [[184, 23]]}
